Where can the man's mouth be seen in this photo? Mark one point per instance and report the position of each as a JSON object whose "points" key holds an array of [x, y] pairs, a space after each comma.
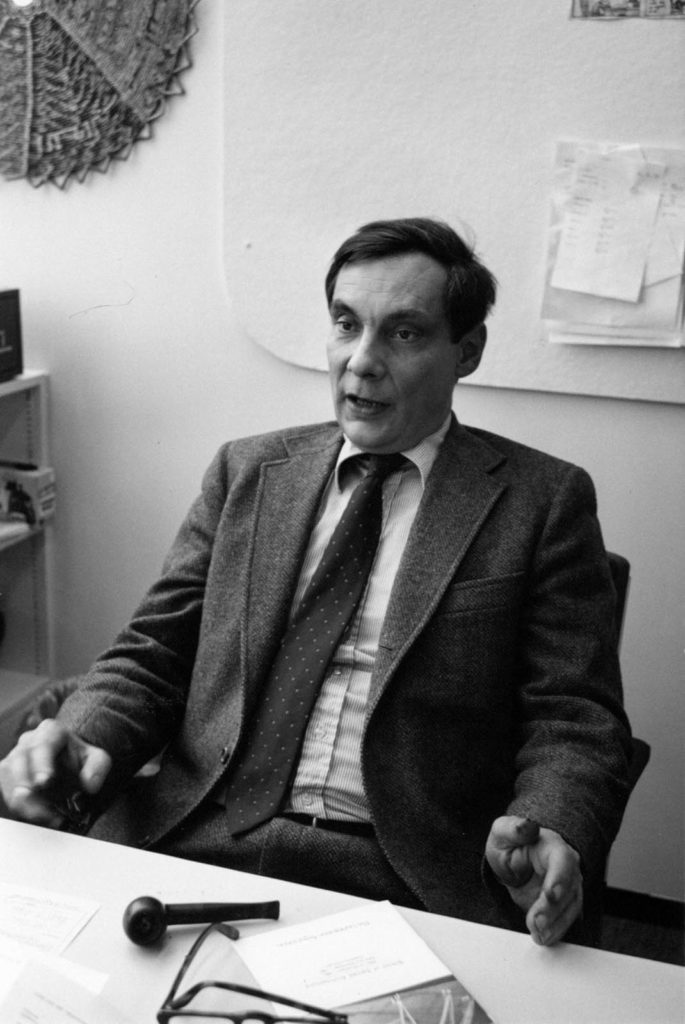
{"points": [[367, 404]]}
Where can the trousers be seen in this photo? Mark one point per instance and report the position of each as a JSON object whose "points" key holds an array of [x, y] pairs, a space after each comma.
{"points": [[294, 852]]}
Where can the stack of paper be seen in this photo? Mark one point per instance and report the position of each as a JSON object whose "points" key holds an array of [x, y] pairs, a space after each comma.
{"points": [[616, 246], [37, 984]]}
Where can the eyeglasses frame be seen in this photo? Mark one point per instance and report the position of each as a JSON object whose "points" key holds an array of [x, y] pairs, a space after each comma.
{"points": [[174, 1005]]}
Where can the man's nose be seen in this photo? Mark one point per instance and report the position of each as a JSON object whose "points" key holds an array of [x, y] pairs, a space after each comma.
{"points": [[366, 357]]}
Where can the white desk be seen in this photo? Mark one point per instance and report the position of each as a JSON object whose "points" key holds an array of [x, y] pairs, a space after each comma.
{"points": [[515, 980]]}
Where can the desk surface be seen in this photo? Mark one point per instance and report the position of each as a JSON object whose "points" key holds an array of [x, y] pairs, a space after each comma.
{"points": [[515, 980]]}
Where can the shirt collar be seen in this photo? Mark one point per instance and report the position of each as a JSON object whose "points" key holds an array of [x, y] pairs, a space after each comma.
{"points": [[422, 455]]}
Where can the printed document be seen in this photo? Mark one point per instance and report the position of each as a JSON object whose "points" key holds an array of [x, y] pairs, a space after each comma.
{"points": [[370, 957]]}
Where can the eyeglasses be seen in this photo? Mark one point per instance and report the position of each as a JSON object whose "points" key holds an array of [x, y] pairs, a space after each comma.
{"points": [[193, 1001]]}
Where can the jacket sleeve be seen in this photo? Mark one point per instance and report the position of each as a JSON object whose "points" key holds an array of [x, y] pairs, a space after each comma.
{"points": [[133, 698], [574, 742]]}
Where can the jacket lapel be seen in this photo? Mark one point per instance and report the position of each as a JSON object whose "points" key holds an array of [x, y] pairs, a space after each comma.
{"points": [[290, 491], [460, 493]]}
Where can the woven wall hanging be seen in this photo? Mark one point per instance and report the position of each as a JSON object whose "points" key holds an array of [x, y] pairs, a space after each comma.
{"points": [[82, 80]]}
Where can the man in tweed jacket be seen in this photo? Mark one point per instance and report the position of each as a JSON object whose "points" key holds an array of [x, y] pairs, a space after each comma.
{"points": [[492, 721]]}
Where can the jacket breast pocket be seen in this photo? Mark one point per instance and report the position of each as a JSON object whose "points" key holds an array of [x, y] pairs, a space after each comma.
{"points": [[483, 595], [467, 656]]}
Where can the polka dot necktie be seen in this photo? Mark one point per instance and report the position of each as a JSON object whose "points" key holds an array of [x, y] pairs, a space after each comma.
{"points": [[259, 781]]}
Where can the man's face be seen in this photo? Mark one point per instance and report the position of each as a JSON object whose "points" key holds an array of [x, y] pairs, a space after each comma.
{"points": [[392, 362]]}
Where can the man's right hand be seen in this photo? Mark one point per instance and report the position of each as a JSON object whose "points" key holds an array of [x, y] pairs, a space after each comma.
{"points": [[47, 764]]}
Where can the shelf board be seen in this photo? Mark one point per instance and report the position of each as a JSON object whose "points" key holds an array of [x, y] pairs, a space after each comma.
{"points": [[28, 379], [15, 533]]}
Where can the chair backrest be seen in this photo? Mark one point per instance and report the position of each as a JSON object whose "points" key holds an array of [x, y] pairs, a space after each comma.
{"points": [[620, 573]]}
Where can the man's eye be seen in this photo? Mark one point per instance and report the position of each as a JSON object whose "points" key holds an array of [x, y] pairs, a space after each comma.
{"points": [[406, 334], [343, 325]]}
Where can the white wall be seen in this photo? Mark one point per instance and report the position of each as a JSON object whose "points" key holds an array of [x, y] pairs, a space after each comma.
{"points": [[381, 108], [124, 303]]}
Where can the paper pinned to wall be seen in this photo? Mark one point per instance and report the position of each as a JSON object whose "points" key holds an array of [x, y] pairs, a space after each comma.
{"points": [[607, 225], [667, 252], [616, 246]]}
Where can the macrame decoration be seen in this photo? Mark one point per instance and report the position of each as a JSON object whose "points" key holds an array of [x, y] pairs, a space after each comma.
{"points": [[82, 80]]}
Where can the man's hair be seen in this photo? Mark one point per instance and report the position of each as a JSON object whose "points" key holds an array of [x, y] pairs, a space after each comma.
{"points": [[470, 288]]}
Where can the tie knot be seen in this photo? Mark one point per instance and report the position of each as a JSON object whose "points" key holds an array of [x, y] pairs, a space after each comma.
{"points": [[383, 465]]}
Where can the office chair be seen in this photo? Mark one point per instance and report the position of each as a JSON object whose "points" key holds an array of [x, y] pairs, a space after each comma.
{"points": [[620, 574]]}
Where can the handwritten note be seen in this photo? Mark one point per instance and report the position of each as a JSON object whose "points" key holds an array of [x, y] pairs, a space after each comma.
{"points": [[36, 985], [42, 920], [607, 226]]}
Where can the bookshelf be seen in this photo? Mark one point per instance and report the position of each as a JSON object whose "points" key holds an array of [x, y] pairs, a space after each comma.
{"points": [[26, 649]]}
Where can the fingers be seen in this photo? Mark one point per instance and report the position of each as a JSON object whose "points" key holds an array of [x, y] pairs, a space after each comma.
{"points": [[95, 768], [510, 830], [47, 764], [508, 849], [549, 920], [27, 770], [541, 872], [560, 900]]}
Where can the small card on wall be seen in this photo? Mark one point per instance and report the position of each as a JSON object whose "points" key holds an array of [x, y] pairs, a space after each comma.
{"points": [[11, 358], [608, 9]]}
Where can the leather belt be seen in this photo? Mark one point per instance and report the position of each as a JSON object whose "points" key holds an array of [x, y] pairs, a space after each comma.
{"points": [[350, 828]]}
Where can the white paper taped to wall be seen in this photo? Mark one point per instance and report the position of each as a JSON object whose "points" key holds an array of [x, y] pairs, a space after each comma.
{"points": [[616, 246], [607, 225]]}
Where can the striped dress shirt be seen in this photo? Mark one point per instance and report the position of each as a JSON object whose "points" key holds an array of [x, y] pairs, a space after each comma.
{"points": [[328, 780]]}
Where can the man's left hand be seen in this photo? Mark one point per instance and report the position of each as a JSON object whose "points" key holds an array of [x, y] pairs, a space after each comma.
{"points": [[541, 873]]}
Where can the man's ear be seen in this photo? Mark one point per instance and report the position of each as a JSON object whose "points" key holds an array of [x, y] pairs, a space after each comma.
{"points": [[470, 350]]}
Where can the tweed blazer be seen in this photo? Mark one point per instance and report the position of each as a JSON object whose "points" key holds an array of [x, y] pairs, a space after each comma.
{"points": [[496, 685]]}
